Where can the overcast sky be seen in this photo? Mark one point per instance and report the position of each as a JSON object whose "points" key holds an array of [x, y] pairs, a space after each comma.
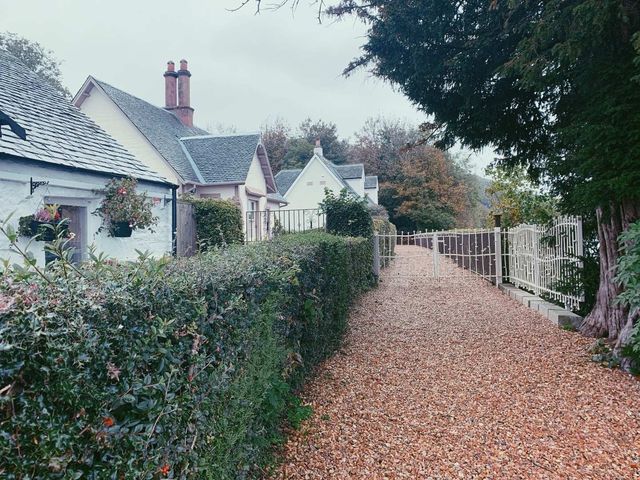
{"points": [[246, 68]]}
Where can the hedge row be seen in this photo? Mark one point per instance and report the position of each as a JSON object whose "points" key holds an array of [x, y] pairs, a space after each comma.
{"points": [[168, 369], [218, 222]]}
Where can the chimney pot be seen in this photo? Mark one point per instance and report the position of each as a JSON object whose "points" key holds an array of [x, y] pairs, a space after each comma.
{"points": [[170, 87], [184, 110], [318, 148]]}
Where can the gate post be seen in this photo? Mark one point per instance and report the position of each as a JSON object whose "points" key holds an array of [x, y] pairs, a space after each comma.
{"points": [[498, 254], [376, 255], [436, 266]]}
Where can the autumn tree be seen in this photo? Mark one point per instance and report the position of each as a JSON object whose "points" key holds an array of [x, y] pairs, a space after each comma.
{"points": [[275, 136], [379, 143], [516, 199], [36, 58]]}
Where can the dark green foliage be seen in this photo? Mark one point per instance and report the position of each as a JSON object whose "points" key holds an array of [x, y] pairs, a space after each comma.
{"points": [[180, 369], [629, 277], [218, 222], [552, 85], [347, 215]]}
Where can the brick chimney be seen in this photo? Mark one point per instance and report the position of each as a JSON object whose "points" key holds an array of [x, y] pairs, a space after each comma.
{"points": [[318, 148], [184, 110], [170, 86]]}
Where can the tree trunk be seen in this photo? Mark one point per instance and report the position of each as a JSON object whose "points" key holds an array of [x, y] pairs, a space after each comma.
{"points": [[609, 318]]}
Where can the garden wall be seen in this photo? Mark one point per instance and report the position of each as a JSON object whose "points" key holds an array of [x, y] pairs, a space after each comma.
{"points": [[169, 368]]}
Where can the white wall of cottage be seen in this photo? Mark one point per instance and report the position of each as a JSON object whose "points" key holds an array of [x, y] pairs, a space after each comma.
{"points": [[78, 189], [105, 113]]}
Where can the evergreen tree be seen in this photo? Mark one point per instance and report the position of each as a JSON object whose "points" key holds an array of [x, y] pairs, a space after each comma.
{"points": [[552, 85]]}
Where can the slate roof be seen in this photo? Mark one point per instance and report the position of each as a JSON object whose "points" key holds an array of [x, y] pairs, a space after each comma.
{"points": [[276, 197], [222, 159], [371, 181], [285, 178], [355, 170], [162, 128], [57, 132]]}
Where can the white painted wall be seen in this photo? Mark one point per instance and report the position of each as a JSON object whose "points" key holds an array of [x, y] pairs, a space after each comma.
{"points": [[372, 193], [357, 184], [308, 190], [77, 188], [101, 109]]}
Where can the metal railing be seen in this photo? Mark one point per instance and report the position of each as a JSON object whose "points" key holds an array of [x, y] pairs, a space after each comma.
{"points": [[547, 259], [263, 225]]}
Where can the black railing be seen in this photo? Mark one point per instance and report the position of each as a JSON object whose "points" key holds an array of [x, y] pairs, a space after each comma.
{"points": [[266, 224]]}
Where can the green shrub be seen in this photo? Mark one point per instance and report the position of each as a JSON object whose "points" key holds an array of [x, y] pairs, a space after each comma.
{"points": [[629, 277], [386, 241], [168, 368], [347, 215], [218, 222]]}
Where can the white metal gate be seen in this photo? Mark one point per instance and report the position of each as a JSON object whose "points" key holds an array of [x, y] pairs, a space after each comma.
{"points": [[543, 259], [442, 254]]}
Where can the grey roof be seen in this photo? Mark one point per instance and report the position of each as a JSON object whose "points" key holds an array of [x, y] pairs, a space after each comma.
{"points": [[222, 159], [371, 181], [162, 128], [355, 170], [334, 169], [285, 178], [276, 197], [57, 132]]}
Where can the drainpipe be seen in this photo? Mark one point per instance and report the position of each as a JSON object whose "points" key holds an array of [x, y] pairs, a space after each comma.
{"points": [[174, 220]]}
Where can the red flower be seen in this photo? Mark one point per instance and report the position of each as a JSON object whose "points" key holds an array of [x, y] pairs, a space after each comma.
{"points": [[108, 422], [165, 469]]}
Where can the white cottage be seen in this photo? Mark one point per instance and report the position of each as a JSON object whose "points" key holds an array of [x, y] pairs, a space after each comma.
{"points": [[51, 153], [305, 188], [232, 167]]}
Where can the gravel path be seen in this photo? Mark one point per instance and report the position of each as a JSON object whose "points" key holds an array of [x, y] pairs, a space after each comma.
{"points": [[452, 379]]}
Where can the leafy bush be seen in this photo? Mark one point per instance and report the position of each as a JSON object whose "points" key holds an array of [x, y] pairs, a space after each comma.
{"points": [[386, 241], [168, 368], [218, 222], [347, 215], [629, 277]]}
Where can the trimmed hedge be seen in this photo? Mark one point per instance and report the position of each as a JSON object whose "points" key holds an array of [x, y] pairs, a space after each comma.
{"points": [[347, 214], [218, 222], [169, 369]]}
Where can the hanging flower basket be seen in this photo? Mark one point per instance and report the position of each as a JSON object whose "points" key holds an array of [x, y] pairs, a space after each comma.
{"points": [[42, 225], [123, 210], [121, 229]]}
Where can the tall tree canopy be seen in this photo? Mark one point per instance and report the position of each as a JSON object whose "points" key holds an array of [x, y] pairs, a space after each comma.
{"points": [[35, 57], [289, 149], [552, 85]]}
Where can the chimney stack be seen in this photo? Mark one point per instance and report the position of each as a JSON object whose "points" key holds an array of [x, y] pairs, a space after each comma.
{"points": [[318, 148], [184, 110], [170, 86]]}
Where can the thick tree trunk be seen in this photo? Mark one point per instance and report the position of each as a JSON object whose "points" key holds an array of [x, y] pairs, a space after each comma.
{"points": [[609, 318]]}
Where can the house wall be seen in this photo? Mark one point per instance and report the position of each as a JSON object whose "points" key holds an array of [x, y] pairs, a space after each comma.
{"points": [[357, 184], [79, 189], [303, 195], [106, 114], [373, 194]]}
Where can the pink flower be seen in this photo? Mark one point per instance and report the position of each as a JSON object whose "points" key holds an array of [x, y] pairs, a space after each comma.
{"points": [[6, 303]]}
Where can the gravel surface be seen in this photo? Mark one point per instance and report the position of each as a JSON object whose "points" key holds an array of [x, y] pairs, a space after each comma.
{"points": [[451, 379]]}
